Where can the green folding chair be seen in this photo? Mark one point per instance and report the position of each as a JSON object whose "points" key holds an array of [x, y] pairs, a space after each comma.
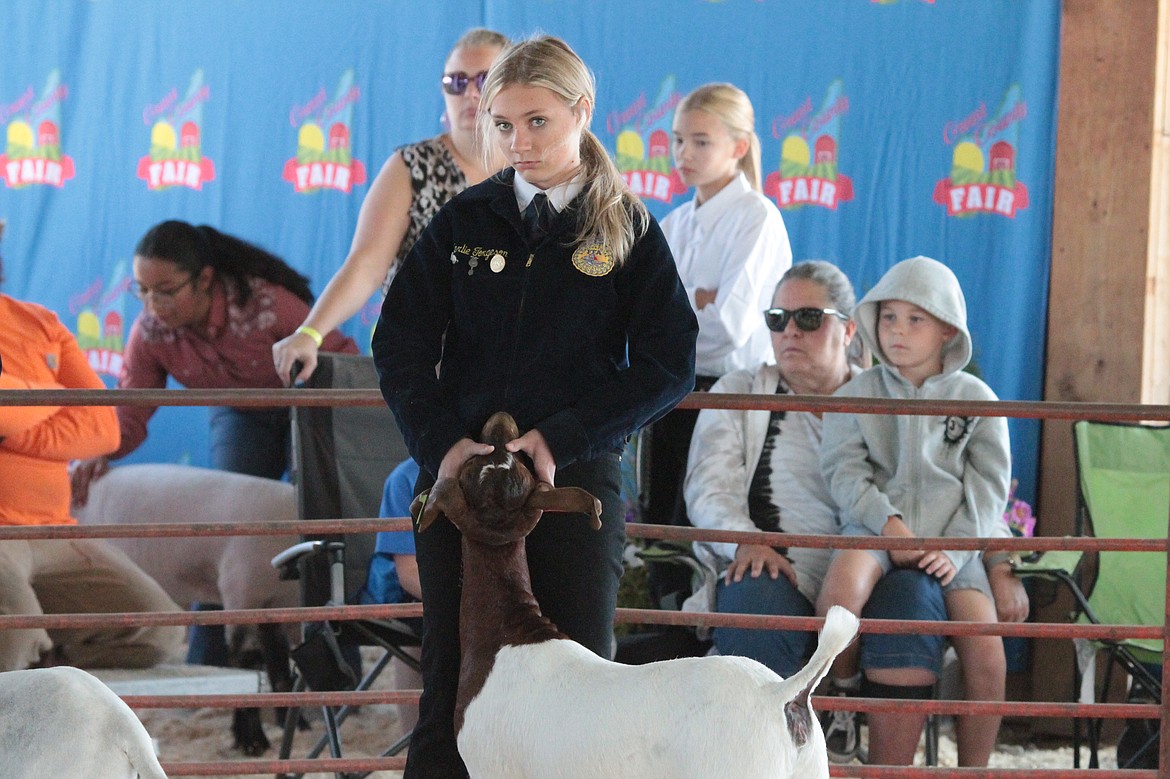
{"points": [[1123, 478]]}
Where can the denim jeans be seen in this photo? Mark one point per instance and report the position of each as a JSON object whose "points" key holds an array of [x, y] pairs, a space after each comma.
{"points": [[254, 442], [904, 594], [784, 651], [250, 441], [901, 594]]}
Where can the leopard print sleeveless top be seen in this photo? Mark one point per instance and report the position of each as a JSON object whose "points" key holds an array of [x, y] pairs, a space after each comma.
{"points": [[434, 179]]}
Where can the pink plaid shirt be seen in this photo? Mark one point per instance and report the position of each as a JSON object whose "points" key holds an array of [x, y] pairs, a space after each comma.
{"points": [[234, 349]]}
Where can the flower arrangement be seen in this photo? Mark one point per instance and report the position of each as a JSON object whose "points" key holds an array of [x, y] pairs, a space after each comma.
{"points": [[1018, 515]]}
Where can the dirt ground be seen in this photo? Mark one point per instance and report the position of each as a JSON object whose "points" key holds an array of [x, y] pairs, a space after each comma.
{"points": [[204, 735]]}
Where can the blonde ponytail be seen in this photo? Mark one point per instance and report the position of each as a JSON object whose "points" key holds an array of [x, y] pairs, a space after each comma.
{"points": [[611, 214], [750, 163]]}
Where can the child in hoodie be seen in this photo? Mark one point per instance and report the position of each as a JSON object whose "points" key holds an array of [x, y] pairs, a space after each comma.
{"points": [[921, 476]]}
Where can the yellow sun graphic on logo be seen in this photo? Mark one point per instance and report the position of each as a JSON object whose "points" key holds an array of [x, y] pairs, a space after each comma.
{"points": [[20, 134], [795, 149], [629, 144], [968, 156], [311, 137], [163, 135], [88, 326]]}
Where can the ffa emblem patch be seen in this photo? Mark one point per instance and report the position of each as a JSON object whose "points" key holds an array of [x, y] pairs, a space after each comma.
{"points": [[593, 260]]}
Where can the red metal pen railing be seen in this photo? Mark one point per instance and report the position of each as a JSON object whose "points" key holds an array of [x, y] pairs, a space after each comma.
{"points": [[306, 397]]}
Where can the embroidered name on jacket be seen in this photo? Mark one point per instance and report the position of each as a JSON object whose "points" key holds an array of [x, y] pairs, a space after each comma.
{"points": [[496, 258]]}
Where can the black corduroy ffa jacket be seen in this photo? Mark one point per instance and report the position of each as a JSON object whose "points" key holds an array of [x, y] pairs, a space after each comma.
{"points": [[560, 336]]}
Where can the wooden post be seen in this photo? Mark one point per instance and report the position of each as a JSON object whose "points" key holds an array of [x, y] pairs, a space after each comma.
{"points": [[1156, 348], [1107, 308]]}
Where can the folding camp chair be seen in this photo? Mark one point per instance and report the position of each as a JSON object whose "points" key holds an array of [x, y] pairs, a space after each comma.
{"points": [[639, 645], [650, 645], [1123, 477], [340, 459]]}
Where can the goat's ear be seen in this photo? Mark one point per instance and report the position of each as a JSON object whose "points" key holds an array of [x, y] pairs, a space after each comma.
{"points": [[444, 497], [569, 500]]}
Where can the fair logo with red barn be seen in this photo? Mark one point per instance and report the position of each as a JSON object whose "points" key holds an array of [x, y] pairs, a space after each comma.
{"points": [[643, 144], [983, 161], [176, 130], [324, 159], [33, 154], [808, 174], [100, 320]]}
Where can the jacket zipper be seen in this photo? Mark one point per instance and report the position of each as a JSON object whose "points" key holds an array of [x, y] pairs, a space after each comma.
{"points": [[916, 479], [519, 319]]}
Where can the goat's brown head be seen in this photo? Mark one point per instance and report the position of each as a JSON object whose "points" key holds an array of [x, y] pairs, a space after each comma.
{"points": [[496, 499]]}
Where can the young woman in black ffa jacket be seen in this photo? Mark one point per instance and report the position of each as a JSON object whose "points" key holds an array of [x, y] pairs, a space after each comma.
{"points": [[570, 317]]}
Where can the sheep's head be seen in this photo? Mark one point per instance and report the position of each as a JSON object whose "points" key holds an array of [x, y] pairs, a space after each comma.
{"points": [[496, 499]]}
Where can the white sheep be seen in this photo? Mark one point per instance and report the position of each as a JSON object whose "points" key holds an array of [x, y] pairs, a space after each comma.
{"points": [[231, 570], [65, 724], [532, 703]]}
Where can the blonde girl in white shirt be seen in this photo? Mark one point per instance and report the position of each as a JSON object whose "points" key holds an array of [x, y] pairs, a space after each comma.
{"points": [[731, 248]]}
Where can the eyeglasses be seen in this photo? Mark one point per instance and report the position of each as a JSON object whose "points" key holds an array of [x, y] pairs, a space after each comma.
{"points": [[807, 319], [160, 295], [456, 83]]}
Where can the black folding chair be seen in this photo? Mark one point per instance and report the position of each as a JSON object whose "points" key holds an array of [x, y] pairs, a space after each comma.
{"points": [[340, 459], [661, 562]]}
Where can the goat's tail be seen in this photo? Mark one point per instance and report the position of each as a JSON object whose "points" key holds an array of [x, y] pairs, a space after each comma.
{"points": [[838, 632], [794, 692]]}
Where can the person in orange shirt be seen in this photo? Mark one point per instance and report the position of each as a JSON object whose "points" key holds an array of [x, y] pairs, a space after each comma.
{"points": [[62, 576]]}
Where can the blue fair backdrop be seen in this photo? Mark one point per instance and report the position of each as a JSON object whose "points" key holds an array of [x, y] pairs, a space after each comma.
{"points": [[890, 128]]}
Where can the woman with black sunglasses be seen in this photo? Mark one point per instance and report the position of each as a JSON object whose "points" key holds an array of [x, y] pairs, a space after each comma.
{"points": [[755, 470], [412, 185], [751, 470]]}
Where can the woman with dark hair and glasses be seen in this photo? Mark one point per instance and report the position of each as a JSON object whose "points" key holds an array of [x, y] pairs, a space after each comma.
{"points": [[213, 306], [412, 185]]}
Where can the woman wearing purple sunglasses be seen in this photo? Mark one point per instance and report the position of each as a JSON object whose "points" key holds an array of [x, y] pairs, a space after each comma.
{"points": [[412, 185]]}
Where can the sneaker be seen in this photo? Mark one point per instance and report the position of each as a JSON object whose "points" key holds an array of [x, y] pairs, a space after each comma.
{"points": [[840, 727]]}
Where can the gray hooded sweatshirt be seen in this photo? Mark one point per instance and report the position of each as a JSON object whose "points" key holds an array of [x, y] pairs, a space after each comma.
{"points": [[945, 476]]}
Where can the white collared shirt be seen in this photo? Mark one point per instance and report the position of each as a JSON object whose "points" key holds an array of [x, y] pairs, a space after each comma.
{"points": [[559, 196], [734, 243]]}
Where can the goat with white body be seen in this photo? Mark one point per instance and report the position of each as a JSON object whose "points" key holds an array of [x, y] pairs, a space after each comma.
{"points": [[533, 703], [64, 723], [231, 570]]}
